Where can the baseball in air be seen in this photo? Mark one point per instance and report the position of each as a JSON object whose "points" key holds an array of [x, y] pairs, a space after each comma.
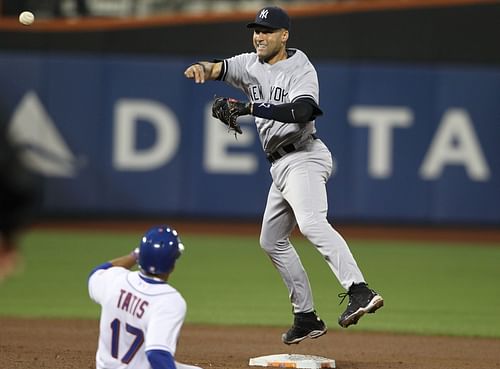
{"points": [[26, 18]]}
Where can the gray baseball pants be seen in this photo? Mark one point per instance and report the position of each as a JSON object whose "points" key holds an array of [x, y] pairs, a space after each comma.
{"points": [[298, 197]]}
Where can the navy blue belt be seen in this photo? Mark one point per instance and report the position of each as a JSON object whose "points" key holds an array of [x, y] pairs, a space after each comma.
{"points": [[283, 150]]}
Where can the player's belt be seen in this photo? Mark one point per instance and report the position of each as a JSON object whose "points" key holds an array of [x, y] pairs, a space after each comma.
{"points": [[287, 149]]}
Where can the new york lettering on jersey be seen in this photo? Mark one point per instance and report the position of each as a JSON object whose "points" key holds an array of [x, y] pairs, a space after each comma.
{"points": [[276, 94]]}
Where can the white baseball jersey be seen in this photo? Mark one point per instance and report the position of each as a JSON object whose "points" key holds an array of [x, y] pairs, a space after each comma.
{"points": [[279, 83], [138, 314]]}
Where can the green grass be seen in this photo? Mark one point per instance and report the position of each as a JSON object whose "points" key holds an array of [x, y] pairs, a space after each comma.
{"points": [[429, 288]]}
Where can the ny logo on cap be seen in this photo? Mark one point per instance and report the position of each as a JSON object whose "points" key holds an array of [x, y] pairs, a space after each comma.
{"points": [[263, 14]]}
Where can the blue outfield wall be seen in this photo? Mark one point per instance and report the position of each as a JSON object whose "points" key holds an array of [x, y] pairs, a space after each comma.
{"points": [[128, 135]]}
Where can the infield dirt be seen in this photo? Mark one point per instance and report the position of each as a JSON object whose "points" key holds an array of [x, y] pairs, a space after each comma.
{"points": [[68, 344]]}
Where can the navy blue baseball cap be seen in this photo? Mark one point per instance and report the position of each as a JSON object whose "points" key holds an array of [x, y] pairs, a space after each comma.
{"points": [[271, 17]]}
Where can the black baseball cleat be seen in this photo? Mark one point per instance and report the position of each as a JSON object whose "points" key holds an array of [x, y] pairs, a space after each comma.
{"points": [[362, 300], [305, 325]]}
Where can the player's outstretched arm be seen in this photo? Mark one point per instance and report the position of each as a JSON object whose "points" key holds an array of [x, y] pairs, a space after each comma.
{"points": [[203, 71], [125, 261]]}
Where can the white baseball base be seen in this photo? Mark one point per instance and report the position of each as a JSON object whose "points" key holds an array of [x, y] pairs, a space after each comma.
{"points": [[293, 361]]}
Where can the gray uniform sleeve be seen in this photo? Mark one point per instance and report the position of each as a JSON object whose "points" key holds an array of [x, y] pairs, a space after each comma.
{"points": [[306, 85], [236, 72]]}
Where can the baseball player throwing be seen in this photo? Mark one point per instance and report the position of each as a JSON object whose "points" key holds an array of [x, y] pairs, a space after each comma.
{"points": [[141, 314], [282, 88]]}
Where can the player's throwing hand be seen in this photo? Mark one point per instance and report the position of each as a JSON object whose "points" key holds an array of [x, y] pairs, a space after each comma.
{"points": [[196, 71]]}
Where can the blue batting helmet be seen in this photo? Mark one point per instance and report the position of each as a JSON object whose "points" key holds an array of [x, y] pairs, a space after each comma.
{"points": [[159, 249]]}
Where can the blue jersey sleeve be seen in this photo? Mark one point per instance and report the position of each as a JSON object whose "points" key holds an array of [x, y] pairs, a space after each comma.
{"points": [[160, 359]]}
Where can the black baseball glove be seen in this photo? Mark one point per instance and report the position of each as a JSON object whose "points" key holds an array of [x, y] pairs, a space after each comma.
{"points": [[227, 110]]}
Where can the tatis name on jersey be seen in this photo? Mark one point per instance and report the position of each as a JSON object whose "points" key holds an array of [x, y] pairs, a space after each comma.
{"points": [[132, 304]]}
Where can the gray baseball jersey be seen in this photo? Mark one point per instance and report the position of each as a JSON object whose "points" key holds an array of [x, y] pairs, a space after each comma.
{"points": [[283, 82], [298, 193]]}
